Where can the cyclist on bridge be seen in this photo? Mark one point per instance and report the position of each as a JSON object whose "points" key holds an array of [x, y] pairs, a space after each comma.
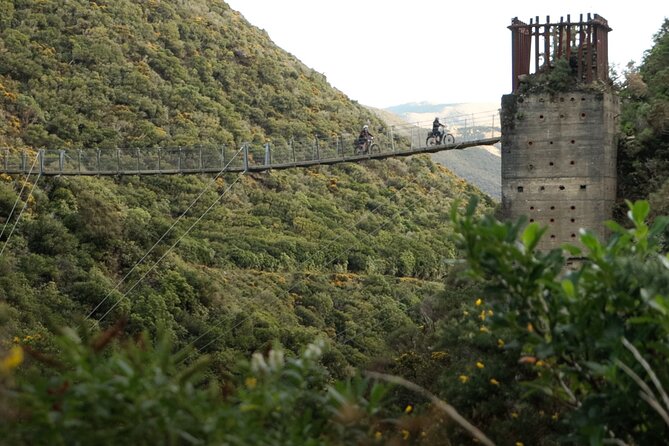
{"points": [[365, 136], [436, 131]]}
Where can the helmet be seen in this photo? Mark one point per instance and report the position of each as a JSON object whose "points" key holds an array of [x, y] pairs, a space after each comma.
{"points": [[436, 118], [365, 127]]}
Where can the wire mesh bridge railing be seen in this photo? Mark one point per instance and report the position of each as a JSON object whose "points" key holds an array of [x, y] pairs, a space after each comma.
{"points": [[399, 140]]}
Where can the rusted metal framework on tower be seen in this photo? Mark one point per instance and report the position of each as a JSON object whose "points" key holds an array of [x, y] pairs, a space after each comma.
{"points": [[537, 46]]}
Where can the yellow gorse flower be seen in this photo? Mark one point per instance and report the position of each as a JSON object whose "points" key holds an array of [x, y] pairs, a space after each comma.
{"points": [[405, 434], [12, 360], [478, 302], [500, 343], [494, 382], [251, 382], [480, 365], [463, 378], [408, 409], [438, 355]]}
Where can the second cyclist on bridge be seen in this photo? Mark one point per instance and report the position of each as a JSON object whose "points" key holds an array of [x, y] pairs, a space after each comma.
{"points": [[439, 136]]}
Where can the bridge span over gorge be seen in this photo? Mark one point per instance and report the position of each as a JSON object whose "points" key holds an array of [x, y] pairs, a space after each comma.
{"points": [[395, 141]]}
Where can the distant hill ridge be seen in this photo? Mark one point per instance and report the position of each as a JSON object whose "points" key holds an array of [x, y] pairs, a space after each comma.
{"points": [[418, 107], [480, 166]]}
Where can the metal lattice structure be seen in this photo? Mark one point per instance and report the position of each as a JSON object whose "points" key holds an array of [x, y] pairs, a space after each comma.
{"points": [[537, 46]]}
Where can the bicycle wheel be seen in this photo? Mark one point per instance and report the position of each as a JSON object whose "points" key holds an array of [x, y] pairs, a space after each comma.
{"points": [[448, 139], [431, 141], [375, 148]]}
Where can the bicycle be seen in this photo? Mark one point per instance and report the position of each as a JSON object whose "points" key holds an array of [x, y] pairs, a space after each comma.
{"points": [[366, 147], [440, 138]]}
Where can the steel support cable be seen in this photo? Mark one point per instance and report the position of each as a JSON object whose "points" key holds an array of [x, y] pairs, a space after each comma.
{"points": [[24, 204], [18, 198], [172, 246], [379, 227], [141, 260]]}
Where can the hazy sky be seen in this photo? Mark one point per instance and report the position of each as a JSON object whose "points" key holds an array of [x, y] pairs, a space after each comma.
{"points": [[384, 53]]}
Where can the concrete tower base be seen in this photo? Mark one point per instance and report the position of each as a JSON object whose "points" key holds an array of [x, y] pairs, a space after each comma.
{"points": [[559, 161]]}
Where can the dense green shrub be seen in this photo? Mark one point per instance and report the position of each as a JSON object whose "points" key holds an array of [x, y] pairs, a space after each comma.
{"points": [[596, 330]]}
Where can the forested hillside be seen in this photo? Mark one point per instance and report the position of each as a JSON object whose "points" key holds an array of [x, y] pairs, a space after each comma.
{"points": [[280, 256], [151, 73], [240, 309], [352, 258]]}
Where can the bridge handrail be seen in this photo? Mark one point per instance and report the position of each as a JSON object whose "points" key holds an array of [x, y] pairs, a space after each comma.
{"points": [[400, 139]]}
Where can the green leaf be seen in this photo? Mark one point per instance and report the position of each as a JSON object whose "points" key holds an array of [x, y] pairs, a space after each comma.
{"points": [[660, 304], [659, 225], [590, 241], [597, 368], [572, 249], [614, 227], [568, 287], [639, 211], [471, 206], [531, 236]]}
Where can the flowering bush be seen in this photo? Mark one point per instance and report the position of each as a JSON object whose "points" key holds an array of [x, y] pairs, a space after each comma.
{"points": [[598, 330]]}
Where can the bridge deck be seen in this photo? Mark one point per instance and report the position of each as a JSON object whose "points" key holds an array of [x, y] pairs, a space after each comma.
{"points": [[192, 161]]}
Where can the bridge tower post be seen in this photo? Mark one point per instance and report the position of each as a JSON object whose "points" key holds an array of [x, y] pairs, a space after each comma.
{"points": [[559, 129]]}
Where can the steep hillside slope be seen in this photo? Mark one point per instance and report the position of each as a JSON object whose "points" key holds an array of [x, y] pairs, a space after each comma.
{"points": [[346, 253], [154, 73], [480, 166], [230, 264]]}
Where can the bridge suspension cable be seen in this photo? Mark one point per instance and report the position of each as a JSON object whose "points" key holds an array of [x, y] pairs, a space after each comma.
{"points": [[141, 260], [18, 197], [171, 247]]}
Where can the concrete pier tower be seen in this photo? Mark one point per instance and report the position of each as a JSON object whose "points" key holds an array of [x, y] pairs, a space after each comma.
{"points": [[559, 128]]}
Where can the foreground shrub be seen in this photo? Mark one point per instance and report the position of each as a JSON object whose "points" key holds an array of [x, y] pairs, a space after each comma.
{"points": [[596, 332], [107, 392]]}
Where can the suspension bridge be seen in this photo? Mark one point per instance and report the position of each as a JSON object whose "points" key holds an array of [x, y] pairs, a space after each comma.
{"points": [[396, 141]]}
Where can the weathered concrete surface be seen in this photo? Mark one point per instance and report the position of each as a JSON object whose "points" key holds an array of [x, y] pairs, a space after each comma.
{"points": [[559, 161]]}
